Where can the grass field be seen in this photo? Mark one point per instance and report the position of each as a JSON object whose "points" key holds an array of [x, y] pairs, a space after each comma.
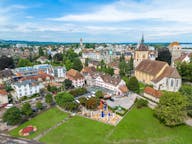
{"points": [[43, 121], [138, 127]]}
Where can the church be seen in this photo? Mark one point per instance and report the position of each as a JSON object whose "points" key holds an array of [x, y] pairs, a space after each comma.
{"points": [[142, 53]]}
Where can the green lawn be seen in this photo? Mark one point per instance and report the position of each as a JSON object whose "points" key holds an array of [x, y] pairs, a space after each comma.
{"points": [[138, 127], [43, 121]]}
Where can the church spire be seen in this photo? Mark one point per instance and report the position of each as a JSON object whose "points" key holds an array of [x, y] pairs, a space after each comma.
{"points": [[142, 39]]}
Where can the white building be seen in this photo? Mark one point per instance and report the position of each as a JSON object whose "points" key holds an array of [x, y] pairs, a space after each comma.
{"points": [[3, 98], [76, 77], [60, 73], [26, 88]]}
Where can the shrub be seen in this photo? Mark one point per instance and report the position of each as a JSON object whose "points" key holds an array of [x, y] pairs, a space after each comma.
{"points": [[141, 103], [78, 92]]}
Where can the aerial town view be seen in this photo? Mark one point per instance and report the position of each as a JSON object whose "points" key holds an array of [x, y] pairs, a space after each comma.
{"points": [[95, 72]]}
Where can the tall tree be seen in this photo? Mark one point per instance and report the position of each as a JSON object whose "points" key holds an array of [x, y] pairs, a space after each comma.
{"points": [[12, 116], [171, 109], [41, 52], [77, 64], [26, 109], [133, 84], [164, 55], [6, 62]]}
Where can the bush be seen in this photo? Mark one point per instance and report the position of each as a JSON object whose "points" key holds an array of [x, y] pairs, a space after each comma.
{"points": [[99, 94], [66, 100], [78, 92], [92, 103], [82, 101], [141, 103]]}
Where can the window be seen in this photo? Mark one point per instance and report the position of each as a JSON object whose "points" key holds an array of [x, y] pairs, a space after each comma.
{"points": [[177, 83], [171, 83]]}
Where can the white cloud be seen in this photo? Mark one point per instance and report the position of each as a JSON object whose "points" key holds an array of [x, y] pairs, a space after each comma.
{"points": [[127, 10]]}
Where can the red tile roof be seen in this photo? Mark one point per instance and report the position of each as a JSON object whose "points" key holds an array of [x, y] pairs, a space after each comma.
{"points": [[74, 74], [3, 92], [151, 91]]}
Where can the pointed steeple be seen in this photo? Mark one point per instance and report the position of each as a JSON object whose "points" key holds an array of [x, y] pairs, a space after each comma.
{"points": [[142, 39]]}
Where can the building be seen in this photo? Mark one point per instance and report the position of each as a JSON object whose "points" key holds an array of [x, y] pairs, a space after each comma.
{"points": [[152, 94], [60, 73], [76, 77], [42, 60], [31, 70], [26, 88], [175, 50], [142, 53], [185, 57], [3, 98], [5, 75], [113, 83], [159, 74]]}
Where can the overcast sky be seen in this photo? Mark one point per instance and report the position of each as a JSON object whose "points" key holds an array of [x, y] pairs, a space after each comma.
{"points": [[96, 20]]}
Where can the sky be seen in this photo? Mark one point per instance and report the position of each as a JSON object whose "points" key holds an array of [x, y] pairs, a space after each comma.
{"points": [[96, 20]]}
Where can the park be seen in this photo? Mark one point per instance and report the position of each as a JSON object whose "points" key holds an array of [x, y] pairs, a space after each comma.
{"points": [[137, 126]]}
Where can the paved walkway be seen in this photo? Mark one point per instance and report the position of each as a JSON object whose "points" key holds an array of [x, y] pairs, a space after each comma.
{"points": [[189, 122]]}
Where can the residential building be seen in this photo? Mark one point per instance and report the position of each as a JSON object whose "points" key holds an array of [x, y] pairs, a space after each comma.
{"points": [[159, 74], [113, 83], [3, 98], [76, 77], [60, 73], [5, 75], [46, 68], [42, 60], [26, 88]]}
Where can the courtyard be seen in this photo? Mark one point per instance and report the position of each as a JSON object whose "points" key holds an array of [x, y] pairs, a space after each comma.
{"points": [[139, 126]]}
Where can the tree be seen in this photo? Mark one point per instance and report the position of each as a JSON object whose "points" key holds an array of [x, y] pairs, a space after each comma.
{"points": [[164, 55], [6, 62], [58, 57], [82, 101], [66, 101], [133, 84], [41, 52], [171, 109], [92, 103], [186, 90], [39, 105], [77, 64], [99, 94], [185, 70], [86, 62], [26, 109], [68, 64], [24, 62], [68, 84], [49, 99], [12, 116]]}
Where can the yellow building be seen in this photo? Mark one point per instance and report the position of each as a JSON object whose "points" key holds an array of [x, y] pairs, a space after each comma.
{"points": [[159, 74]]}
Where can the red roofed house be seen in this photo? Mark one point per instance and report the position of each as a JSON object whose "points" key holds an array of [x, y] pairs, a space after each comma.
{"points": [[76, 77], [152, 94], [3, 97]]}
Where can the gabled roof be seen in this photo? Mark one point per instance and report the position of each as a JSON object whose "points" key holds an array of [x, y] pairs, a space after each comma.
{"points": [[150, 66], [151, 91], [169, 72], [3, 92], [74, 74]]}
